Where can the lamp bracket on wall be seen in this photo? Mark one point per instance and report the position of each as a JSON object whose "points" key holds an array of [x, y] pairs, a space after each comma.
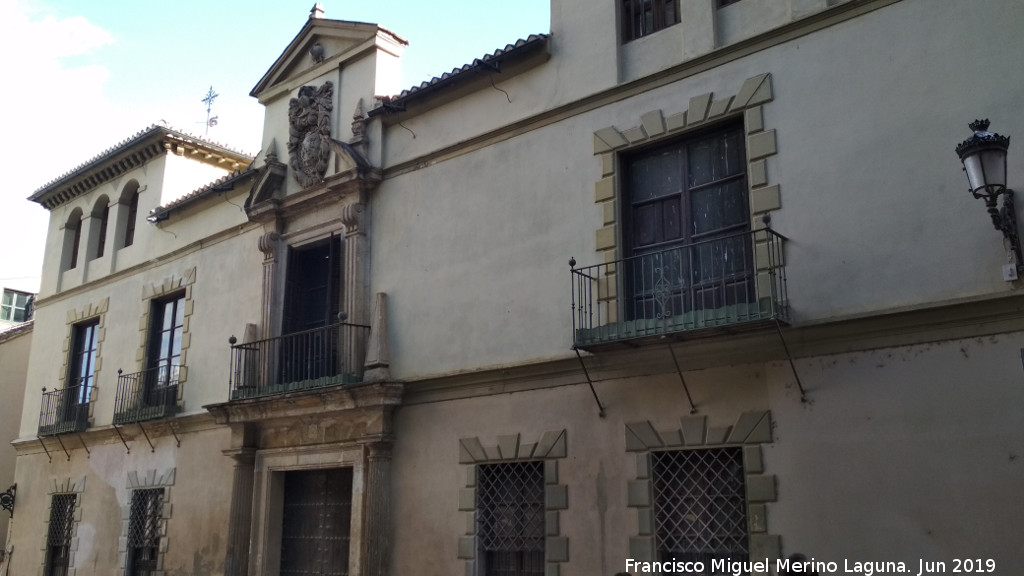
{"points": [[1004, 219], [7, 499]]}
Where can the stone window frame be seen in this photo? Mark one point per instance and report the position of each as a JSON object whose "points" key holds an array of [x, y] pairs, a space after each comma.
{"points": [[54, 488], [145, 481], [654, 127], [87, 313], [550, 448], [154, 292], [749, 432]]}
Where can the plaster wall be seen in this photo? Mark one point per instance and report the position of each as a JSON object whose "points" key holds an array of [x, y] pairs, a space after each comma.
{"points": [[587, 58], [222, 303], [53, 278], [871, 193], [154, 178], [184, 176], [883, 463], [14, 352], [196, 507]]}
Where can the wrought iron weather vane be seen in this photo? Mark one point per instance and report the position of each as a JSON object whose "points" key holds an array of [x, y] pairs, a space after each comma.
{"points": [[208, 100]]}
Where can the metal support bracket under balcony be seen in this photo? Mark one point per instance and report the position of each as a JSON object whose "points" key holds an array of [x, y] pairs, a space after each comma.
{"points": [[600, 407], [66, 453], [170, 426], [88, 455], [126, 448], [49, 459], [792, 365], [693, 407], [146, 436]]}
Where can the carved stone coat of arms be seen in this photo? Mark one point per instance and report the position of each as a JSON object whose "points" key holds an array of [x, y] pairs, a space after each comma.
{"points": [[309, 139]]}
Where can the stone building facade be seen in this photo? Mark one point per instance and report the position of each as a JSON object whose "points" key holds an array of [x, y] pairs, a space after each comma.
{"points": [[680, 281]]}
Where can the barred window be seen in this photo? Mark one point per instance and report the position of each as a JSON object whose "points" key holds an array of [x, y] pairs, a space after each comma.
{"points": [[700, 505], [144, 532], [58, 539], [510, 518]]}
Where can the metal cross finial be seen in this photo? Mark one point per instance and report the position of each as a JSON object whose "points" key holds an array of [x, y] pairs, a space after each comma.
{"points": [[208, 100]]}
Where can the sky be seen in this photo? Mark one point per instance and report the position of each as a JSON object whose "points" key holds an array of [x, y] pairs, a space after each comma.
{"points": [[80, 77]]}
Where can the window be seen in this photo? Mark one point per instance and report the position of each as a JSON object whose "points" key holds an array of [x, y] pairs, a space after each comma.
{"points": [[165, 335], [144, 532], [101, 242], [83, 361], [510, 518], [133, 212], [312, 349], [58, 538], [686, 226], [643, 17], [16, 306], [700, 505], [313, 295], [316, 522]]}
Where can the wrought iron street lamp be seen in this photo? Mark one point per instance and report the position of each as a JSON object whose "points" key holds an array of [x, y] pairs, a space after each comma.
{"points": [[984, 159]]}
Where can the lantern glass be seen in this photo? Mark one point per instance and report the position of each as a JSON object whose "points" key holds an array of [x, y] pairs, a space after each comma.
{"points": [[993, 162]]}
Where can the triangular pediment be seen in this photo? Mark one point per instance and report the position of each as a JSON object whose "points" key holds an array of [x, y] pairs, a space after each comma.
{"points": [[322, 45]]}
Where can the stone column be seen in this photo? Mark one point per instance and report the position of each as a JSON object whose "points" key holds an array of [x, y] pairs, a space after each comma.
{"points": [[377, 530], [236, 562]]}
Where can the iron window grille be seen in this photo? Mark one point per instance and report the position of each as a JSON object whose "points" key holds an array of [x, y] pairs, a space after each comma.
{"points": [[644, 17], [58, 538], [144, 532], [700, 505], [510, 518]]}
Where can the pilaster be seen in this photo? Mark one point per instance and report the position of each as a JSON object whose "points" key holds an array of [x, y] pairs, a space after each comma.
{"points": [[243, 454], [377, 533], [268, 245]]}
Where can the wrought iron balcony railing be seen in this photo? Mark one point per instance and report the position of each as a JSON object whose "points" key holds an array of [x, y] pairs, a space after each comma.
{"points": [[65, 410], [147, 395], [723, 282], [298, 361]]}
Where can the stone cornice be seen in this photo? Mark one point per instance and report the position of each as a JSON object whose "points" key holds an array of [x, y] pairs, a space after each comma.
{"points": [[133, 153], [306, 403]]}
